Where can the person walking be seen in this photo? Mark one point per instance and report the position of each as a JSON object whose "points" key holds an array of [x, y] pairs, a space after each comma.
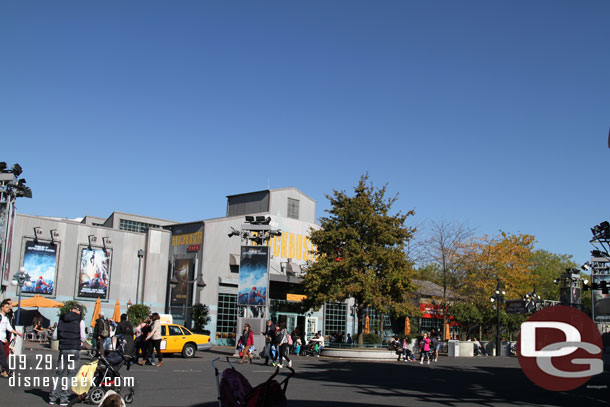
{"points": [[269, 333], [284, 345], [155, 340], [101, 331], [425, 349], [142, 331], [275, 346], [6, 329], [436, 344], [71, 334], [246, 341]]}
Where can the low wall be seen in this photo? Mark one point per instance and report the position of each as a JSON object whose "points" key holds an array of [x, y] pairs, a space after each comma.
{"points": [[359, 353]]}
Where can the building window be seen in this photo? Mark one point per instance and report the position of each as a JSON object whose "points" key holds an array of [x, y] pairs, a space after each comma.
{"points": [[427, 324], [227, 319], [133, 226], [293, 208], [335, 320]]}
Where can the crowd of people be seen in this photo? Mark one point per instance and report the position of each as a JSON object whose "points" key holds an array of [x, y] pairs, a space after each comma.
{"points": [[427, 345]]}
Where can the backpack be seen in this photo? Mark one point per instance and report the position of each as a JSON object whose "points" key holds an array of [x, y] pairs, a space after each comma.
{"points": [[289, 340], [104, 333], [234, 387]]}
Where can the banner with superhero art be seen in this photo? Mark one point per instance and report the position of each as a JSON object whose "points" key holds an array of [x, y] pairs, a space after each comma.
{"points": [[40, 262], [94, 272]]}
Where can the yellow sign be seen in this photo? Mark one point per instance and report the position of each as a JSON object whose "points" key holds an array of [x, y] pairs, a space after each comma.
{"points": [[293, 246], [189, 238], [295, 297]]}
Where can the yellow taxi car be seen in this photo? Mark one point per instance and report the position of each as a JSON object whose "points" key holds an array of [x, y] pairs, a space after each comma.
{"points": [[178, 339]]}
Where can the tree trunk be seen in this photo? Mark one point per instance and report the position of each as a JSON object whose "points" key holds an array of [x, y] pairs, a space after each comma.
{"points": [[360, 326]]}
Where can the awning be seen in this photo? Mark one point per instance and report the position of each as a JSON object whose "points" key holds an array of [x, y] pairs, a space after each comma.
{"points": [[233, 259]]}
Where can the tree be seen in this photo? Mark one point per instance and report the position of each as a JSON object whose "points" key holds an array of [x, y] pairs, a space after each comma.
{"points": [[546, 268], [360, 248], [201, 316], [68, 305], [507, 257], [467, 315], [138, 313], [443, 249]]}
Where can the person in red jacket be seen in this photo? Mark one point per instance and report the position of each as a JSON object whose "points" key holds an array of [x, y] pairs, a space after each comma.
{"points": [[246, 343]]}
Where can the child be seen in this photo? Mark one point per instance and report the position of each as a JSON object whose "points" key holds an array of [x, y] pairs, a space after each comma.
{"points": [[297, 345]]}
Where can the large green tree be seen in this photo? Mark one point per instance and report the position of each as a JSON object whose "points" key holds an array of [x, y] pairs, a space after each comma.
{"points": [[361, 254], [546, 268]]}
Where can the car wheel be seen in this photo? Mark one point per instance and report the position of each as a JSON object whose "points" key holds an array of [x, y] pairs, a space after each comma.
{"points": [[96, 394], [189, 350]]}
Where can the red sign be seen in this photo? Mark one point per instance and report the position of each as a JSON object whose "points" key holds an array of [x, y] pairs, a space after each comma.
{"points": [[194, 248]]}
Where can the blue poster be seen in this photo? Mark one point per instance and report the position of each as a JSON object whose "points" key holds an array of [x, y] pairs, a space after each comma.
{"points": [[40, 262], [253, 277]]}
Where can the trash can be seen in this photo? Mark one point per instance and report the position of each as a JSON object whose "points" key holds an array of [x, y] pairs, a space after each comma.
{"points": [[453, 348]]}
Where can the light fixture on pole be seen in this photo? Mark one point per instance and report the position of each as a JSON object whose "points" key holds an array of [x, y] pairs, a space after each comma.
{"points": [[20, 279], [497, 299], [532, 301], [140, 255], [92, 239]]}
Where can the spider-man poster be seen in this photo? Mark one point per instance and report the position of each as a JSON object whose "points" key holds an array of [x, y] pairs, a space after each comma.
{"points": [[40, 262], [253, 276], [94, 273]]}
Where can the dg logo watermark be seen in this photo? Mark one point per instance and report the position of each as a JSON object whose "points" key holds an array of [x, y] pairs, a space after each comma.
{"points": [[560, 348]]}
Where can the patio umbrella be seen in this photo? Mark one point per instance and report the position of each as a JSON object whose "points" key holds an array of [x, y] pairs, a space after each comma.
{"points": [[367, 328], [407, 326], [116, 315], [447, 334], [96, 311], [39, 301]]}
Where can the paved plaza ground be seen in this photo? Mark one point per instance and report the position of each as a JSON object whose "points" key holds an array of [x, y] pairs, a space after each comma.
{"points": [[484, 381]]}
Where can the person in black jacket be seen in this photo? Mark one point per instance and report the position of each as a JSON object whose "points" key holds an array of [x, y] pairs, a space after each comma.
{"points": [[269, 333], [101, 331], [70, 332], [125, 329]]}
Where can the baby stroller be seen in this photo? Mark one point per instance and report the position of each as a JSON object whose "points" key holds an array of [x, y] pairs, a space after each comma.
{"points": [[234, 390], [103, 374], [311, 349]]}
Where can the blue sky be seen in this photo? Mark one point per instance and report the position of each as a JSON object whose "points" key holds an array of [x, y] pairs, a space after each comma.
{"points": [[492, 114]]}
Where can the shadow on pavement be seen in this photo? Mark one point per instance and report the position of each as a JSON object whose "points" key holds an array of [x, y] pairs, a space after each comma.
{"points": [[437, 384]]}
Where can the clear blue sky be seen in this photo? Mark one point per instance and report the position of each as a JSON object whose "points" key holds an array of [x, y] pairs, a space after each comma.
{"points": [[494, 114]]}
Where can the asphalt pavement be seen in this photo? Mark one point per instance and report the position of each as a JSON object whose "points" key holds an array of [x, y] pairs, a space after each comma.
{"points": [[319, 382]]}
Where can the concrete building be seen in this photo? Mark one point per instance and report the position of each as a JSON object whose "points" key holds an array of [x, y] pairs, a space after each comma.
{"points": [[171, 266]]}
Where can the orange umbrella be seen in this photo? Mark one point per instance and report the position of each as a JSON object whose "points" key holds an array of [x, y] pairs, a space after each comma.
{"points": [[367, 328], [96, 311], [447, 335], [116, 315], [407, 326], [39, 301]]}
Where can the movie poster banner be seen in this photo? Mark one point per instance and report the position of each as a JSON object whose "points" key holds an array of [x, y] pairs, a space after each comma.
{"points": [[253, 279], [40, 262], [94, 272], [601, 301], [183, 272]]}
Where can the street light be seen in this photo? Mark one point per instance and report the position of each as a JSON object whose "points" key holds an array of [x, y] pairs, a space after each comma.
{"points": [[19, 279], [140, 255], [498, 299]]}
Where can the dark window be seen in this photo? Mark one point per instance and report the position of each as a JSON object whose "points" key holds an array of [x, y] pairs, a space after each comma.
{"points": [[185, 331], [293, 208], [175, 330]]}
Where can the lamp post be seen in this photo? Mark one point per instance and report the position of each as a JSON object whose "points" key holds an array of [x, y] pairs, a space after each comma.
{"points": [[497, 299], [140, 255], [19, 279]]}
